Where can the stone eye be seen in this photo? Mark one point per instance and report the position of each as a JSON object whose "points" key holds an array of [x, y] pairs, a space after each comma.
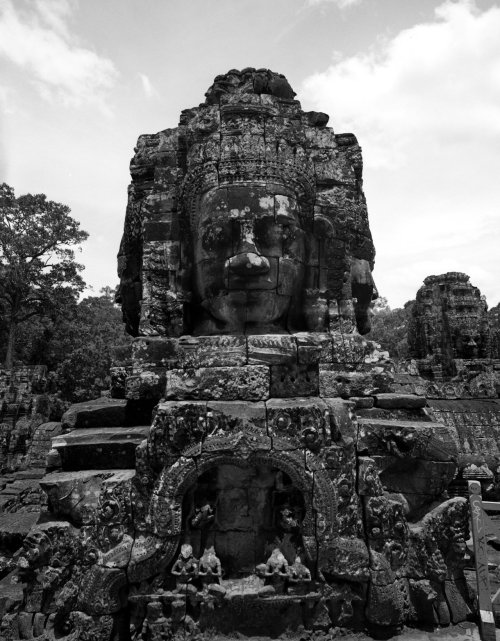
{"points": [[216, 235]]}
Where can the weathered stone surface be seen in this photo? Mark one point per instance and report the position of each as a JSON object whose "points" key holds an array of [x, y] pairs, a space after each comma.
{"points": [[71, 494], [100, 448], [419, 481], [334, 382], [238, 415], [17, 524], [41, 443], [103, 412], [362, 402], [219, 383], [294, 380], [272, 349], [399, 401], [429, 441], [146, 385], [347, 559]]}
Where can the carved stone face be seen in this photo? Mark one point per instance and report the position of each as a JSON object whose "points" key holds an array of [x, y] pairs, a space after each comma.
{"points": [[249, 258]]}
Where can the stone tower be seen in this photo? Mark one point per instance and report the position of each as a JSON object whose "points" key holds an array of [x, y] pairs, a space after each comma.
{"points": [[281, 483], [449, 321]]}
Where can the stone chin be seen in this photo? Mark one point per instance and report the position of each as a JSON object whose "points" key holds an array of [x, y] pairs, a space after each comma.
{"points": [[256, 311]]}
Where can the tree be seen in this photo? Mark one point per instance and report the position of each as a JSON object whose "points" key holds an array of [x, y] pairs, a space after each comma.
{"points": [[390, 327], [38, 272], [91, 343]]}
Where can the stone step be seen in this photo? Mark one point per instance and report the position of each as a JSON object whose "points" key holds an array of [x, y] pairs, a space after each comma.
{"points": [[414, 439], [17, 523], [99, 412], [399, 401], [100, 448]]}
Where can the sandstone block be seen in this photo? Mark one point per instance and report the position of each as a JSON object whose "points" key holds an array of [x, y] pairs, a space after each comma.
{"points": [[232, 416], [347, 559], [212, 351], [341, 418], [102, 412], [100, 448], [322, 342], [297, 422], [399, 401], [17, 524], [419, 481], [294, 380], [249, 383], [272, 349], [412, 439], [146, 385], [345, 384], [70, 494], [362, 402]]}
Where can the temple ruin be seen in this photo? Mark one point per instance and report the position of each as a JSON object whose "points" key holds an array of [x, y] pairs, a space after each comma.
{"points": [[262, 468]]}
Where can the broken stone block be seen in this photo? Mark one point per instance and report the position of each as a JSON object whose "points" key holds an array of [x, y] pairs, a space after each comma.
{"points": [[418, 480], [346, 559], [321, 343], [333, 382], [102, 412], [100, 448], [71, 494], [412, 439]]}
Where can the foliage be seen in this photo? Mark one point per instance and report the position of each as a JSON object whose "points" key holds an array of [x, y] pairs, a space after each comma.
{"points": [[390, 327], [38, 272], [92, 342]]}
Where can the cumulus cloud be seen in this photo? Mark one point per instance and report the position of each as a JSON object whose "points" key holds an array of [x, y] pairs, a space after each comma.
{"points": [[434, 78], [425, 106], [147, 86], [36, 37]]}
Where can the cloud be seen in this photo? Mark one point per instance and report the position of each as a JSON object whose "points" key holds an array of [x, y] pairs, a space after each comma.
{"points": [[147, 86], [38, 40], [432, 79], [425, 106], [341, 4]]}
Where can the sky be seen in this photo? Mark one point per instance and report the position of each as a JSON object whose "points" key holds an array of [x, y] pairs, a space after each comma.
{"points": [[417, 81]]}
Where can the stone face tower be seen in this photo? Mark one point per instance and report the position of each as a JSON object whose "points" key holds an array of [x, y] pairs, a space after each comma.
{"points": [[449, 321], [281, 483], [247, 218]]}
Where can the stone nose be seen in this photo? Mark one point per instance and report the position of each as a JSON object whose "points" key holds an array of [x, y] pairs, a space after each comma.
{"points": [[248, 263]]}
